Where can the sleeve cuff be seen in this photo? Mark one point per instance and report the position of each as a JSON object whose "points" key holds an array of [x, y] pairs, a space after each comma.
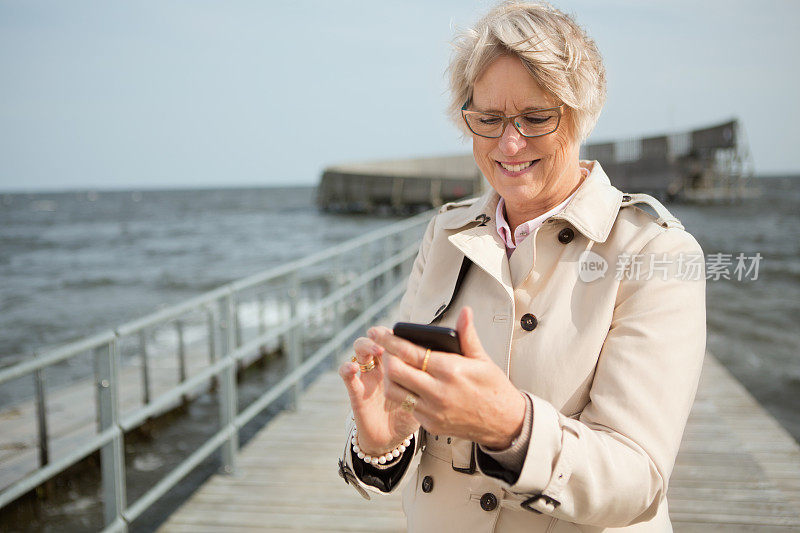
{"points": [[380, 479], [513, 457], [543, 449]]}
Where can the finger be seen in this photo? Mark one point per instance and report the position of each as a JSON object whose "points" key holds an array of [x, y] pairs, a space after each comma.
{"points": [[366, 349], [398, 394], [409, 352], [407, 376], [470, 343], [349, 373]]}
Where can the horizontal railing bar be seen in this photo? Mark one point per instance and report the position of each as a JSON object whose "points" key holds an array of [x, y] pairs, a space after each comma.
{"points": [[323, 352], [339, 294], [156, 406], [177, 473], [117, 525], [52, 356], [361, 280], [283, 270], [14, 491], [160, 403], [173, 312]]}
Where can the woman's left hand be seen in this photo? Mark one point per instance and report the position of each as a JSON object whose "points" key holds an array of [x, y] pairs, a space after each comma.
{"points": [[466, 396]]}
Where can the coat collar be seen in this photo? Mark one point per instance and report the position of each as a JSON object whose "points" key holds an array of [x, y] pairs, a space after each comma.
{"points": [[592, 210]]}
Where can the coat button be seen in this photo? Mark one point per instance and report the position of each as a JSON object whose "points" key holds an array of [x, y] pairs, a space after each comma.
{"points": [[566, 235], [427, 484], [488, 502], [528, 322]]}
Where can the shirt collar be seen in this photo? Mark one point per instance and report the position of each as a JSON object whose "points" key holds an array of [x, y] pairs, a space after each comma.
{"points": [[592, 209], [526, 228]]}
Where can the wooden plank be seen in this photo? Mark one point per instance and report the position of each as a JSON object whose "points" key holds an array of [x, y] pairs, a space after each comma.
{"points": [[719, 483]]}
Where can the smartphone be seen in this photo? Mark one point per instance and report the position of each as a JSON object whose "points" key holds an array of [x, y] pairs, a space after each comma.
{"points": [[436, 338]]}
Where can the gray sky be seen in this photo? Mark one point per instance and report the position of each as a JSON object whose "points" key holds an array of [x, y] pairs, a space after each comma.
{"points": [[155, 94]]}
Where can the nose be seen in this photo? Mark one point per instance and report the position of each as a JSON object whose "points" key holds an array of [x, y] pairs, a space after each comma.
{"points": [[511, 141]]}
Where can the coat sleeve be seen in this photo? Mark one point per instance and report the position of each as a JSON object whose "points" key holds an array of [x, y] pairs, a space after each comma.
{"points": [[386, 480], [611, 466]]}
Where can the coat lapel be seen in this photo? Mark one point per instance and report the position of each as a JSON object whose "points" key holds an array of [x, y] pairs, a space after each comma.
{"points": [[476, 237], [594, 208]]}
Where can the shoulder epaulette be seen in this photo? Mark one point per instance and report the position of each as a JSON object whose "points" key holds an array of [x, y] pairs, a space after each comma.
{"points": [[455, 205], [662, 215]]}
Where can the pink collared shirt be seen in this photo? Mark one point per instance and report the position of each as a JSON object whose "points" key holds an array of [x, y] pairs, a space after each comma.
{"points": [[526, 228]]}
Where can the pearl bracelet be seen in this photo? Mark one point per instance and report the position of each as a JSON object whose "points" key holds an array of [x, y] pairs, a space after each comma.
{"points": [[383, 458]]}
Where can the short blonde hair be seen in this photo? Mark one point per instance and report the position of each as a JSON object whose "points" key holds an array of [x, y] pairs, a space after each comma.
{"points": [[560, 56]]}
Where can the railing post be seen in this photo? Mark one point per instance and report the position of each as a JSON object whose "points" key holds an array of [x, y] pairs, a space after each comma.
{"points": [[181, 357], [388, 251], [262, 320], [213, 339], [339, 307], [367, 262], [228, 404], [237, 324], [112, 456], [181, 352], [293, 341], [223, 314], [145, 367], [41, 416]]}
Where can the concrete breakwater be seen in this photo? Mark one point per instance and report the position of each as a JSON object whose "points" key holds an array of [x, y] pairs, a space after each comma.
{"points": [[399, 186], [710, 164]]}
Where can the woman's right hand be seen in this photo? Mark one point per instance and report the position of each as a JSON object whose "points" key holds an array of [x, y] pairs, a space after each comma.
{"points": [[381, 423]]}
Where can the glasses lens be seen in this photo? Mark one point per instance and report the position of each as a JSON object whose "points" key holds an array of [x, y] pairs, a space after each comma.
{"points": [[538, 123], [485, 124]]}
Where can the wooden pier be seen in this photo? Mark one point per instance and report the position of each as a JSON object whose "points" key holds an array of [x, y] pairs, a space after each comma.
{"points": [[737, 470]]}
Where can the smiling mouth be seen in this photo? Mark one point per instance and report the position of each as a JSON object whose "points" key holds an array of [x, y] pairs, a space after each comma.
{"points": [[516, 167]]}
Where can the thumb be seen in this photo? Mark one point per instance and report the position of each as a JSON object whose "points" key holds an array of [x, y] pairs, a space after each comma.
{"points": [[470, 343]]}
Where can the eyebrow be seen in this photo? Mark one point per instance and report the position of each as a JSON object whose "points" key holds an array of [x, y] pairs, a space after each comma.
{"points": [[525, 110]]}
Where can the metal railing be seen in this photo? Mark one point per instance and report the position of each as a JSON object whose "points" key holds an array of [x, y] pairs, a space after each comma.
{"points": [[350, 276]]}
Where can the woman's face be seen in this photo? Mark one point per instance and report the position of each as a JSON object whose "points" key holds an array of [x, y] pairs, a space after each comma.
{"points": [[530, 174]]}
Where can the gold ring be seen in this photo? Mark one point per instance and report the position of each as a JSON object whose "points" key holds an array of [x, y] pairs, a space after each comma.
{"points": [[425, 361], [409, 403], [366, 367]]}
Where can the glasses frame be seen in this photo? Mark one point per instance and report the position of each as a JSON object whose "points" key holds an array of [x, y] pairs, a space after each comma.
{"points": [[510, 119]]}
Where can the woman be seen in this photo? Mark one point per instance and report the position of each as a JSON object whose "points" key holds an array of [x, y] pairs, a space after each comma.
{"points": [[582, 327]]}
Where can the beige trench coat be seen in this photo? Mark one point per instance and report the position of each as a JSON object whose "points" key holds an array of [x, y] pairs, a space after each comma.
{"points": [[612, 364]]}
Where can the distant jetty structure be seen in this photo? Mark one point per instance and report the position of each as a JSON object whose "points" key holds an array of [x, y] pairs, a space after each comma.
{"points": [[399, 185], [710, 164]]}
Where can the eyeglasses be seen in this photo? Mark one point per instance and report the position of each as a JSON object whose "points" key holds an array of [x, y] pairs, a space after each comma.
{"points": [[529, 124]]}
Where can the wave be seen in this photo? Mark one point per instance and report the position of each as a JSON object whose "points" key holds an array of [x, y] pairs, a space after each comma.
{"points": [[92, 283]]}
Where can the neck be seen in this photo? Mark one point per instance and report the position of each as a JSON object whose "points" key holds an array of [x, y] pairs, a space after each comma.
{"points": [[567, 184]]}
